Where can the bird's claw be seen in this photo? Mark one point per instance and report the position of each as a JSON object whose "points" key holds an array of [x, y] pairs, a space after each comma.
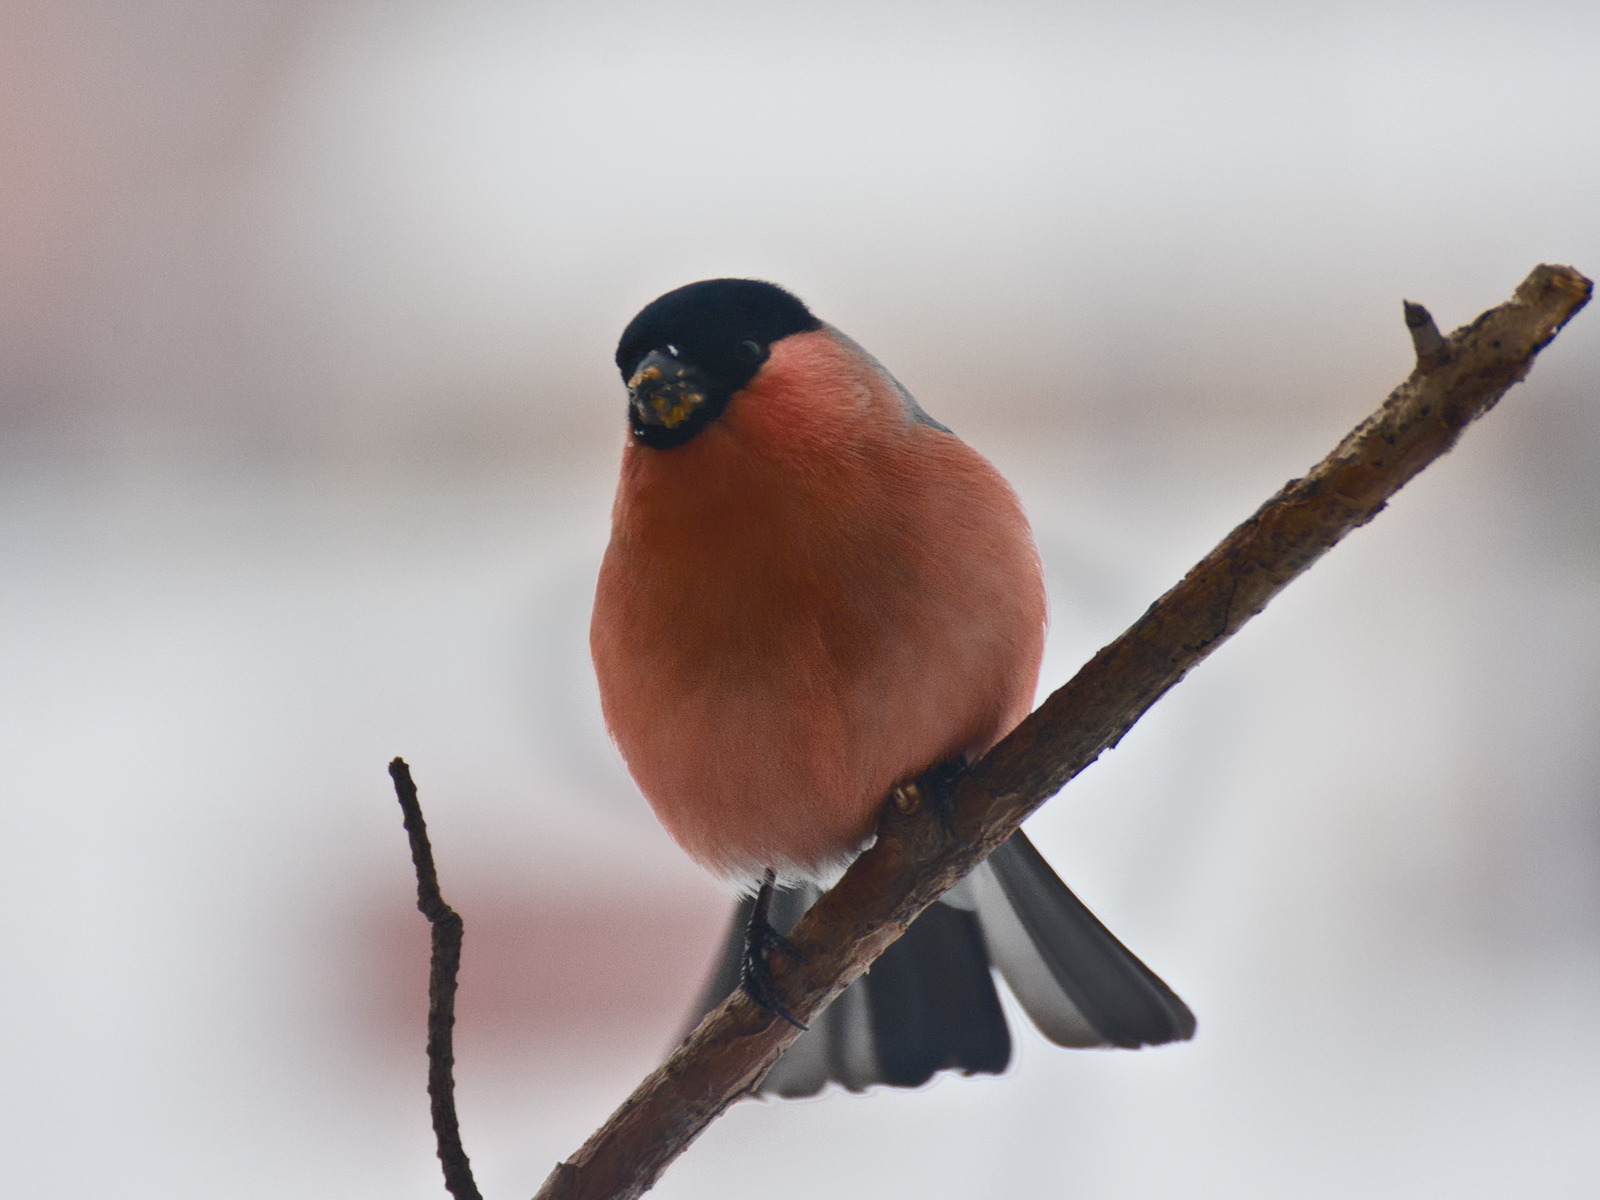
{"points": [[755, 976]]}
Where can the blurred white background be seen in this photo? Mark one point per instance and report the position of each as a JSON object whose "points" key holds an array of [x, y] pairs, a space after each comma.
{"points": [[307, 434]]}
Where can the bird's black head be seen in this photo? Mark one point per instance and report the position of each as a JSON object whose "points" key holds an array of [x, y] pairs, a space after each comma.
{"points": [[688, 352]]}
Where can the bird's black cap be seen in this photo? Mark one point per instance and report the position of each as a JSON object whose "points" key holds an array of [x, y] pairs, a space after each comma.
{"points": [[689, 351]]}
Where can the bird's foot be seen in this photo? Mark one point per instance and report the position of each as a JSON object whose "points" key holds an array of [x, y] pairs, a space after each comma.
{"points": [[938, 785], [755, 977], [760, 940]]}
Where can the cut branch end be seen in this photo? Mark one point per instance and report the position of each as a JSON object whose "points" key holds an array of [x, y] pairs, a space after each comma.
{"points": [[1425, 336]]}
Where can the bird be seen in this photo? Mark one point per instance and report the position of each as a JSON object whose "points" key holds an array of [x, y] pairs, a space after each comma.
{"points": [[813, 593]]}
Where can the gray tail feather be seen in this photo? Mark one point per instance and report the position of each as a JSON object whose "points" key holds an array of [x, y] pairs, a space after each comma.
{"points": [[1079, 984], [929, 1003]]}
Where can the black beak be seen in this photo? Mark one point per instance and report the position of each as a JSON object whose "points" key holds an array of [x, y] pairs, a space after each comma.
{"points": [[665, 391]]}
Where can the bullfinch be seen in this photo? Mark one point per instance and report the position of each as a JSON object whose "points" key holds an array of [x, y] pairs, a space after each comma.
{"points": [[814, 592]]}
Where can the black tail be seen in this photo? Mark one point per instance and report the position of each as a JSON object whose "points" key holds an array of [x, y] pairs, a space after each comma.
{"points": [[929, 1003]]}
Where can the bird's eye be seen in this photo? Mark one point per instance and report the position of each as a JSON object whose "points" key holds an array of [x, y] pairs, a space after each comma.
{"points": [[749, 351]]}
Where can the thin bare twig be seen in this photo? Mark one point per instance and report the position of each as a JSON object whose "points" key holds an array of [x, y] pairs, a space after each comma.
{"points": [[918, 855], [444, 963]]}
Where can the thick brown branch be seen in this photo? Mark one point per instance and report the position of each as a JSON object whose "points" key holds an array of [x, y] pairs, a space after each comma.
{"points": [[444, 965], [916, 857]]}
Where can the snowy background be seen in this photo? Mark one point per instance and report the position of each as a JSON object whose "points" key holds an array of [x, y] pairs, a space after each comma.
{"points": [[308, 429]]}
